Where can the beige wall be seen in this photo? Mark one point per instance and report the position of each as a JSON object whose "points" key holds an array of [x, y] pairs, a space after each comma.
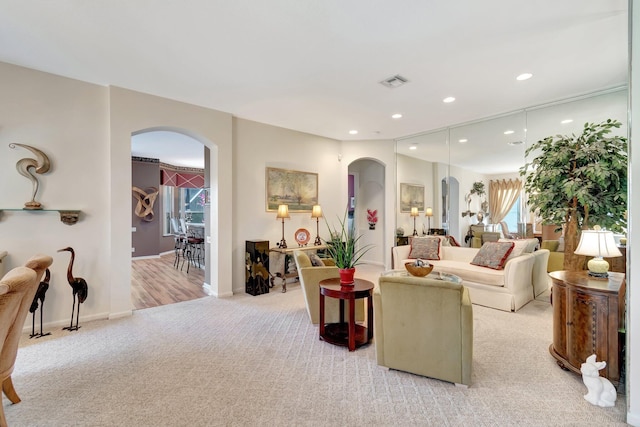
{"points": [[419, 172], [68, 120], [257, 146], [147, 237], [133, 112], [383, 152], [86, 130]]}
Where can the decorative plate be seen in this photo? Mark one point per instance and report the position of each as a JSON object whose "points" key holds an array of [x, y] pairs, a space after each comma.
{"points": [[302, 236]]}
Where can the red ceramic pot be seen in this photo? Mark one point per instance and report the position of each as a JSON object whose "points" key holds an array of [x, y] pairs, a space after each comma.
{"points": [[346, 275]]}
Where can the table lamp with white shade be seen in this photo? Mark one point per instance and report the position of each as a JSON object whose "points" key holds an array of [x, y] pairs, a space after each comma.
{"points": [[428, 213], [316, 212], [414, 213], [597, 243], [283, 212]]}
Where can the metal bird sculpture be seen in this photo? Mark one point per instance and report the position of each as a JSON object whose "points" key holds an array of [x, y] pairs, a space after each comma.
{"points": [[29, 167], [79, 287], [38, 300]]}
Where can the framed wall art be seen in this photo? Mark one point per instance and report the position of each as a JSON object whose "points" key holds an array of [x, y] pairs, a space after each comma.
{"points": [[411, 195], [297, 189]]}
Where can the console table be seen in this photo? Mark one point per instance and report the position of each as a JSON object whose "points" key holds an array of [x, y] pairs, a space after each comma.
{"points": [[588, 314], [347, 333], [279, 257]]}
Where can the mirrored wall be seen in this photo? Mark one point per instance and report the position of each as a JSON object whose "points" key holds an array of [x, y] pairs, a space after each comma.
{"points": [[449, 163]]}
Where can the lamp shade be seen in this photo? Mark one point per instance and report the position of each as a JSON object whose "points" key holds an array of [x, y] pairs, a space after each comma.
{"points": [[428, 212], [598, 243], [414, 212], [283, 212], [316, 211]]}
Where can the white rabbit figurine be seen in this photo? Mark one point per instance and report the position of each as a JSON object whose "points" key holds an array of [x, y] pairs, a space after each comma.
{"points": [[601, 391]]}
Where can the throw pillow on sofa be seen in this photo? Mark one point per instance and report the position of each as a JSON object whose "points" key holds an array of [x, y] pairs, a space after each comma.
{"points": [[425, 248], [493, 255], [521, 246]]}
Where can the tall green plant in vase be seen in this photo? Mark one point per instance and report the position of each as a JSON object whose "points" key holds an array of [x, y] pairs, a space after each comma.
{"points": [[345, 248], [579, 181]]}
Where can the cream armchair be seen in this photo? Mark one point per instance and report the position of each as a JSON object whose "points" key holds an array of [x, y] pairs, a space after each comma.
{"points": [[17, 289], [310, 277], [424, 326]]}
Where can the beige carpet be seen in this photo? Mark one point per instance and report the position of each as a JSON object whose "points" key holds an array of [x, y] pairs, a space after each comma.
{"points": [[256, 361]]}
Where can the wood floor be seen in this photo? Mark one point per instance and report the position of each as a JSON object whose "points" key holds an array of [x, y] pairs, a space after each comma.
{"points": [[156, 282]]}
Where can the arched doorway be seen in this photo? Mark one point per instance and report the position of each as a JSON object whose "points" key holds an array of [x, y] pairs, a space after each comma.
{"points": [[369, 194], [172, 163]]}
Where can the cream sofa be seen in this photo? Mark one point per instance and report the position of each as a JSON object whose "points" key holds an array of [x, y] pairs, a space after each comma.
{"points": [[523, 278]]}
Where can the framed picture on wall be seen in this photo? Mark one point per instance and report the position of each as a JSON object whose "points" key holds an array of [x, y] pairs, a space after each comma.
{"points": [[411, 196], [297, 189]]}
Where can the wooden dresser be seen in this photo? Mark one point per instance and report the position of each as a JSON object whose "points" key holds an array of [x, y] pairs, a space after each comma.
{"points": [[588, 314]]}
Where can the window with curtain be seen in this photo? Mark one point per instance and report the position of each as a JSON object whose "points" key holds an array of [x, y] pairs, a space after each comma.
{"points": [[183, 195], [503, 195], [512, 217]]}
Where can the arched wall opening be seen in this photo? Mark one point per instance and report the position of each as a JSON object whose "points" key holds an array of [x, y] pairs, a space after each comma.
{"points": [[132, 112], [369, 196], [172, 163]]}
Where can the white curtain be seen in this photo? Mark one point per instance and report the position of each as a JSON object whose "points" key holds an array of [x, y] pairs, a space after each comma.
{"points": [[502, 195]]}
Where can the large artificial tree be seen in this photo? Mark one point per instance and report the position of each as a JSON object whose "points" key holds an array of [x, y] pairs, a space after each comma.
{"points": [[579, 181]]}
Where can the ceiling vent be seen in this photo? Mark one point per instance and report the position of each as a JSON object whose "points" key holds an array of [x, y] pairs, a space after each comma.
{"points": [[394, 82]]}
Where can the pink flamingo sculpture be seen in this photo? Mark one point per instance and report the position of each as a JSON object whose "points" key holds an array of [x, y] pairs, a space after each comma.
{"points": [[79, 287]]}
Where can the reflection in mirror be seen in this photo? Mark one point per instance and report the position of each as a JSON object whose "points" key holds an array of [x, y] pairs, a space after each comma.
{"points": [[485, 151], [481, 152], [567, 118], [422, 160]]}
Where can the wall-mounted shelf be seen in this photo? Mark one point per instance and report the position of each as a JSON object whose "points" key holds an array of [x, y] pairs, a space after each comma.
{"points": [[67, 216]]}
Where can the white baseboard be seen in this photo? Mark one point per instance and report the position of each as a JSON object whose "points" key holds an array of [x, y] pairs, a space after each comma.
{"points": [[633, 419], [59, 324], [209, 290], [121, 314], [134, 258]]}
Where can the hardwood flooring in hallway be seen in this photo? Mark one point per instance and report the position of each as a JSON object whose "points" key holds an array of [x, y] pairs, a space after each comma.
{"points": [[156, 282]]}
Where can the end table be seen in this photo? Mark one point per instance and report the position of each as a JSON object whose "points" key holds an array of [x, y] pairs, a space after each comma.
{"points": [[347, 333]]}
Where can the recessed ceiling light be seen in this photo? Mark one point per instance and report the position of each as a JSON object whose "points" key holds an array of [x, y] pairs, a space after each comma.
{"points": [[565, 121], [524, 76], [463, 140], [413, 147], [508, 132], [353, 132], [396, 116], [448, 99]]}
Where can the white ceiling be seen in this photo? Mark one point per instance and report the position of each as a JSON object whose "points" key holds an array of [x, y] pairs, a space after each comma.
{"points": [[315, 66]]}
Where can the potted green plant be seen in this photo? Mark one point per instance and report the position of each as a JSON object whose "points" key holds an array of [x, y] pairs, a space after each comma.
{"points": [[345, 248], [578, 182], [478, 188]]}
